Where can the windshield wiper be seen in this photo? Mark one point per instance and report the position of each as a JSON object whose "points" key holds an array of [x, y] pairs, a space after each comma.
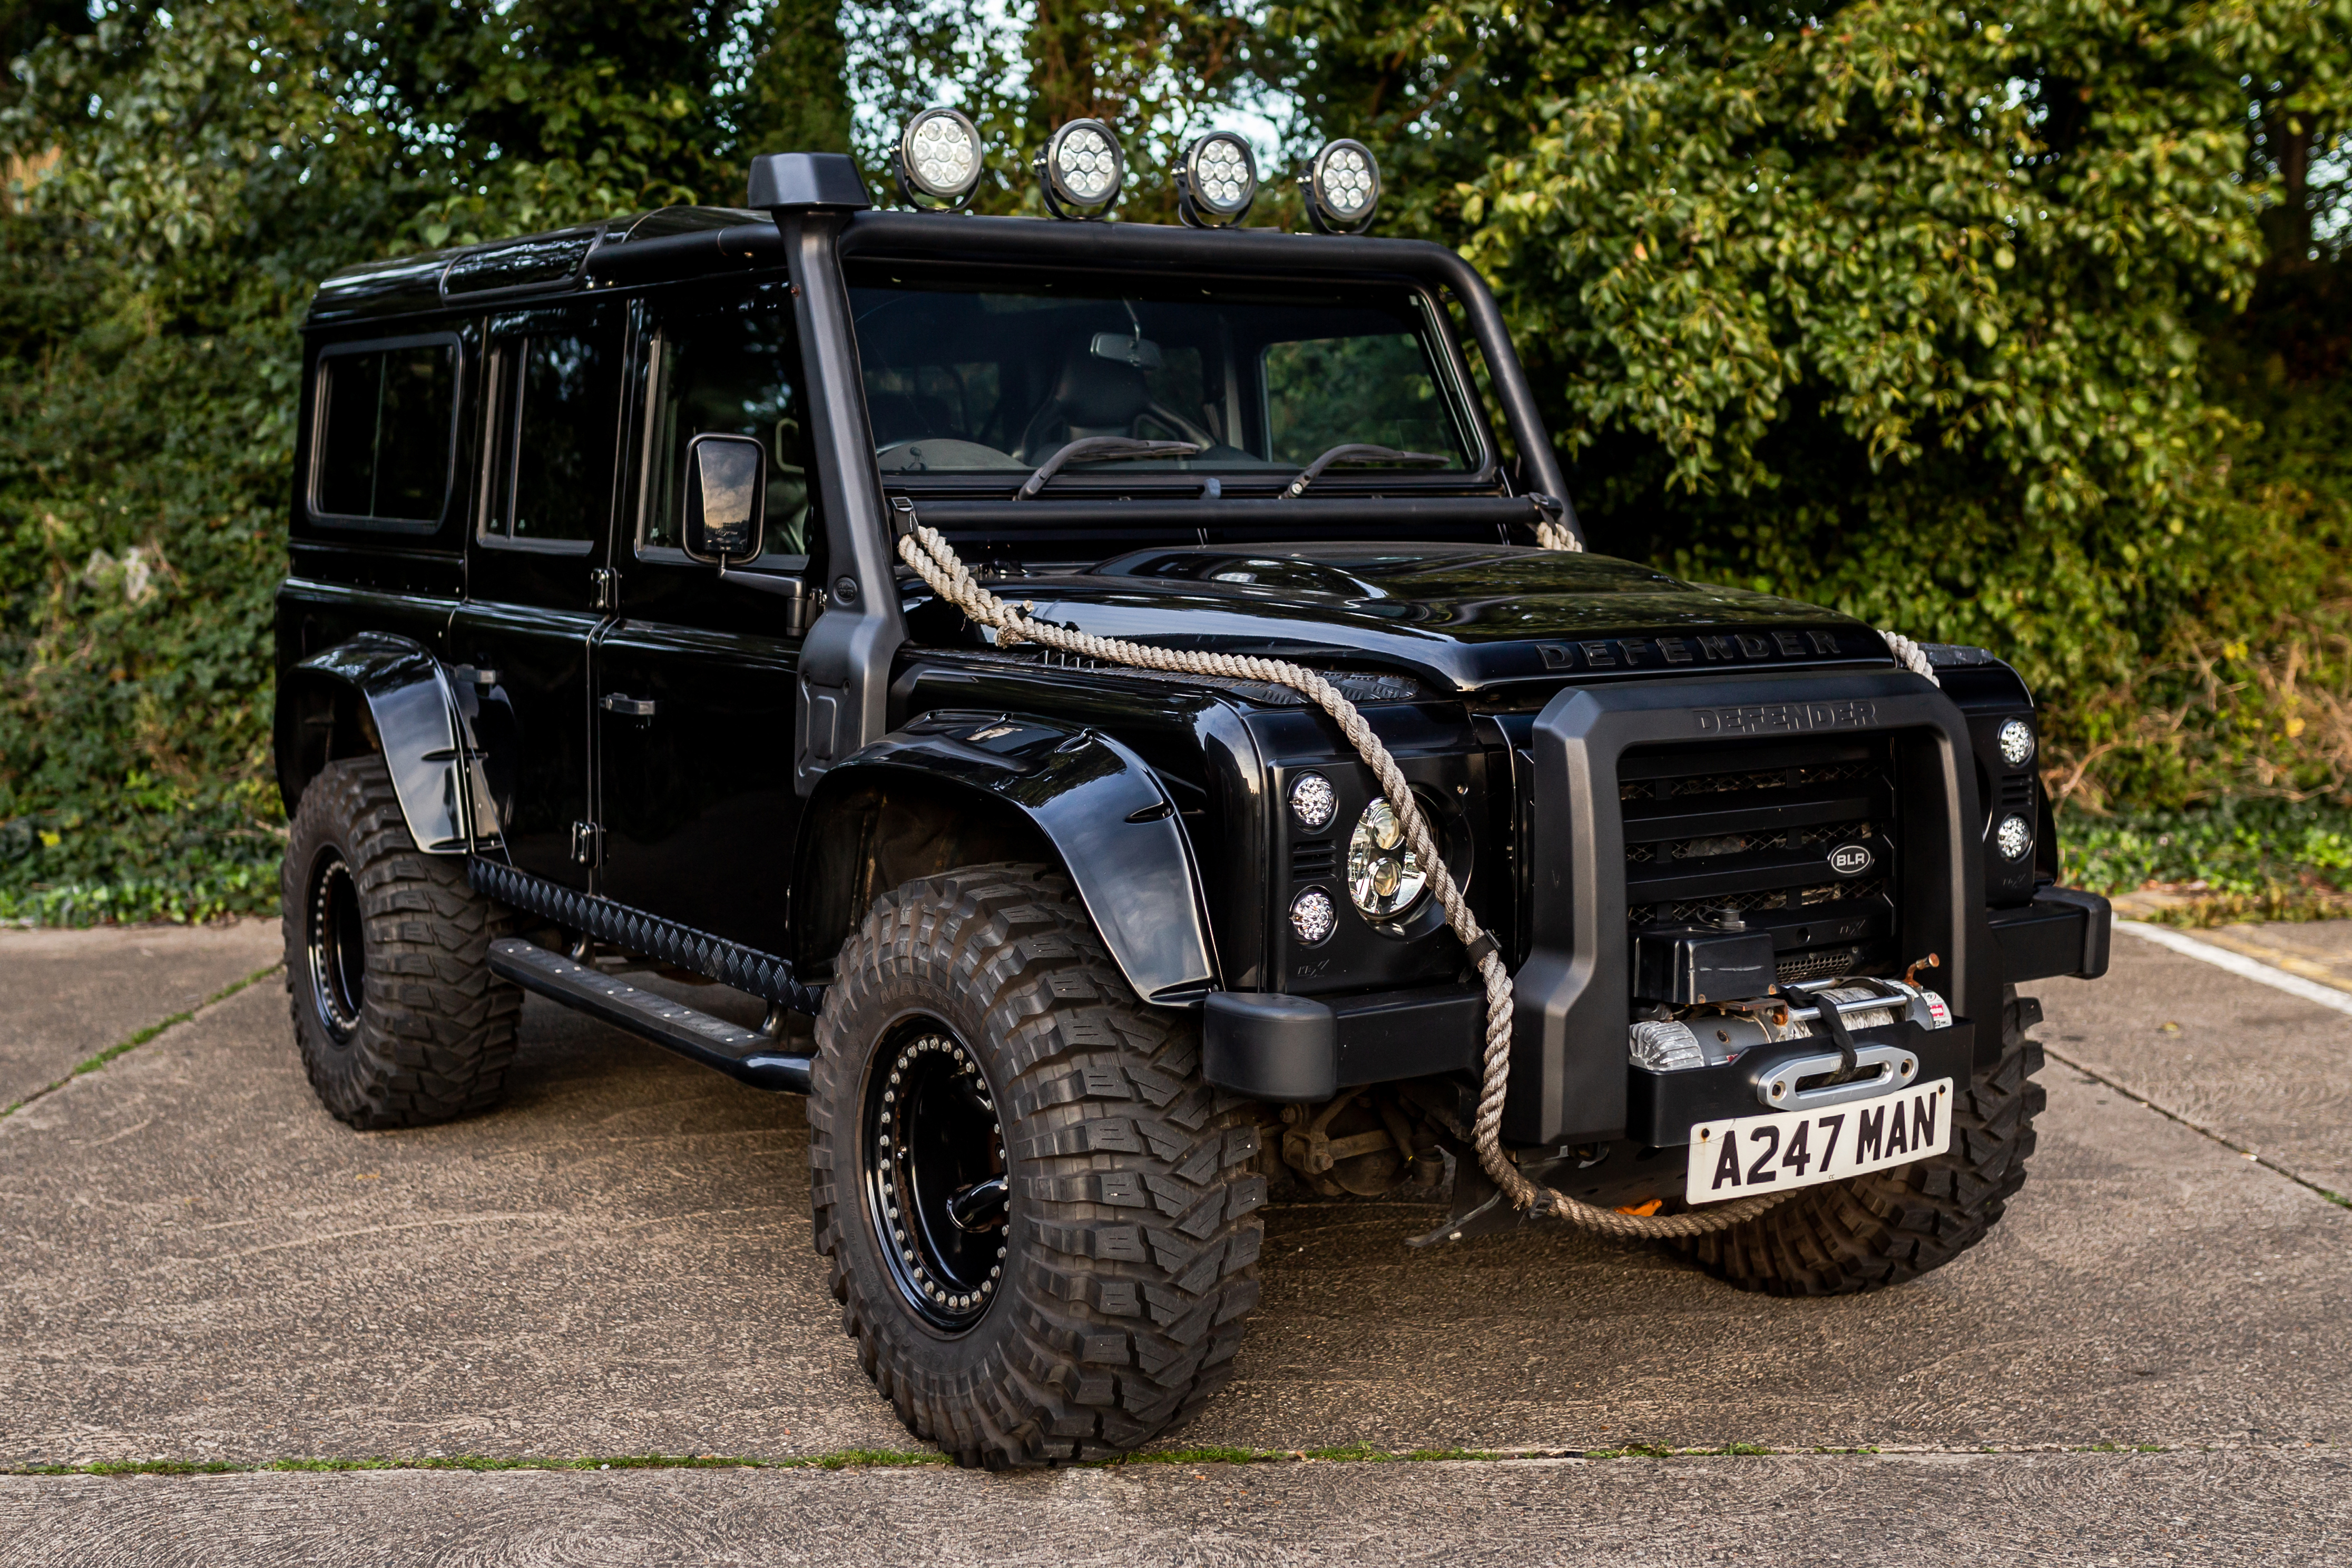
{"points": [[1357, 452], [1103, 449]]}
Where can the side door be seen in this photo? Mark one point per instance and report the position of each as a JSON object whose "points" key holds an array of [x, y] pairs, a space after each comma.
{"points": [[695, 677], [534, 580]]}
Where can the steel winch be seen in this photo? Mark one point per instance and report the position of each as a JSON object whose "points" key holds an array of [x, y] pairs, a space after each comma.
{"points": [[1717, 1033]]}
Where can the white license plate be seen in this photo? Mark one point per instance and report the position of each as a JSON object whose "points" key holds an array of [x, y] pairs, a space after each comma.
{"points": [[1756, 1154]]}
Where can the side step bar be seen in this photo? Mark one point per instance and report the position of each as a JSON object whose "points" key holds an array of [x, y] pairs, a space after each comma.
{"points": [[745, 1055]]}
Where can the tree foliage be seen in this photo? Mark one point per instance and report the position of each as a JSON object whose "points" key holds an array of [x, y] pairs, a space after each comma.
{"points": [[2023, 326], [1918, 310]]}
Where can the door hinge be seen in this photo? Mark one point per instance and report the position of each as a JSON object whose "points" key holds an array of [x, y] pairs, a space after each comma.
{"points": [[587, 844], [605, 583]]}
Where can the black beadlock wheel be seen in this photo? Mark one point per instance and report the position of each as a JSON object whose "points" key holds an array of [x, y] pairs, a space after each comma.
{"points": [[1895, 1225], [933, 1163], [335, 944], [399, 1020], [1043, 1226]]}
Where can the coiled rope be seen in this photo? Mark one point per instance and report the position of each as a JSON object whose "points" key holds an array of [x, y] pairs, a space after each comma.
{"points": [[935, 561]]}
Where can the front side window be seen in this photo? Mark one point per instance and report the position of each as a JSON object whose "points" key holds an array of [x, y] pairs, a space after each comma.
{"points": [[557, 408], [729, 368], [386, 418], [968, 377]]}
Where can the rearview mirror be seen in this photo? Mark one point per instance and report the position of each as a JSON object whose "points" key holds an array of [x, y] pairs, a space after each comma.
{"points": [[1138, 351], [726, 498]]}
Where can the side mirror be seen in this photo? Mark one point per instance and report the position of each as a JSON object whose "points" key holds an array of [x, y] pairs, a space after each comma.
{"points": [[726, 498]]}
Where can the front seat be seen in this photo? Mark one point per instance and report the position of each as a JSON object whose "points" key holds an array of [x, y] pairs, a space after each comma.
{"points": [[1091, 398]]}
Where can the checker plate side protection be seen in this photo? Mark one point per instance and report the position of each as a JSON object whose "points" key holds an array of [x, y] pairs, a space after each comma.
{"points": [[763, 975], [1569, 1074]]}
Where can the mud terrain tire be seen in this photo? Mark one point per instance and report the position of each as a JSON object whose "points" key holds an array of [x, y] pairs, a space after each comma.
{"points": [[399, 1019], [1893, 1225], [1130, 1226]]}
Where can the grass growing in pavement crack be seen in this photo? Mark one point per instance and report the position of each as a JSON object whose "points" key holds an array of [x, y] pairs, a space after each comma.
{"points": [[890, 1458], [847, 1459], [143, 1036]]}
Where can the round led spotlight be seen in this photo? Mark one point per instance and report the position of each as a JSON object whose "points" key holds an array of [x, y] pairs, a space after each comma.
{"points": [[1343, 187], [938, 160], [1313, 800], [1313, 916], [2017, 742], [2013, 837], [1216, 181], [1081, 169], [1384, 875]]}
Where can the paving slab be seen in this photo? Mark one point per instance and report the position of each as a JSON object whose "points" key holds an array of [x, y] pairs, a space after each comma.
{"points": [[2269, 1508], [2324, 944], [202, 1265], [71, 994], [2269, 1071]]}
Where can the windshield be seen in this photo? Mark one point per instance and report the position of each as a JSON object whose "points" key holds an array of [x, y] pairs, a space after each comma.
{"points": [[968, 378]]}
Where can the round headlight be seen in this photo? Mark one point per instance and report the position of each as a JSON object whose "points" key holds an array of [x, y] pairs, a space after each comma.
{"points": [[1312, 916], [2013, 837], [1384, 875], [1216, 179], [2017, 742], [1343, 187], [938, 158], [1313, 800], [1081, 167]]}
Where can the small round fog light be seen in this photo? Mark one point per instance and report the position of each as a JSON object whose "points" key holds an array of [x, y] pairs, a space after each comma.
{"points": [[1312, 916], [2013, 837], [2017, 742], [1313, 800]]}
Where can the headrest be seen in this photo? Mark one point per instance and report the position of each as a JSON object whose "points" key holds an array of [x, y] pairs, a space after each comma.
{"points": [[1097, 393]]}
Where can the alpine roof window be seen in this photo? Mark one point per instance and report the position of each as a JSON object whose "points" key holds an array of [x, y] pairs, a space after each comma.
{"points": [[386, 431]]}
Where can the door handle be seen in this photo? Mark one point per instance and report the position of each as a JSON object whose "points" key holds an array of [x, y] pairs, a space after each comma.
{"points": [[628, 707]]}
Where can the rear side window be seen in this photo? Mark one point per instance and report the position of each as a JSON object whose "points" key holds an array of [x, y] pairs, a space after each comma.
{"points": [[557, 413], [387, 428]]}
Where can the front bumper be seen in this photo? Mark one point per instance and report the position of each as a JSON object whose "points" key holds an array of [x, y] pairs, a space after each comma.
{"points": [[2063, 931], [1663, 1107], [1570, 1078]]}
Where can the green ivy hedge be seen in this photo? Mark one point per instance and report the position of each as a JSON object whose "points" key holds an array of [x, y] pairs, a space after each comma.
{"points": [[2020, 335]]}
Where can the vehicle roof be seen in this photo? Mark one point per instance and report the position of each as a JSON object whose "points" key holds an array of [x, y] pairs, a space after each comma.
{"points": [[684, 242]]}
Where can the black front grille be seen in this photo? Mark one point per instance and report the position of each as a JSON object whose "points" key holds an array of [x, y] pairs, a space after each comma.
{"points": [[1755, 829]]}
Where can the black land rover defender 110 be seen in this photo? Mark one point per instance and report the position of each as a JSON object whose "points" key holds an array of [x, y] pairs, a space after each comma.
{"points": [[597, 657]]}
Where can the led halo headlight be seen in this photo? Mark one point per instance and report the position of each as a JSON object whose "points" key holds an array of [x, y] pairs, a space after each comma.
{"points": [[2013, 837], [1216, 181], [1313, 800], [938, 159], [2017, 742], [1313, 916], [1343, 187], [1081, 169], [1385, 878]]}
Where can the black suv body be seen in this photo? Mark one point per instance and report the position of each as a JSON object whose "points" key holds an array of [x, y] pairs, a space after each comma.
{"points": [[528, 737]]}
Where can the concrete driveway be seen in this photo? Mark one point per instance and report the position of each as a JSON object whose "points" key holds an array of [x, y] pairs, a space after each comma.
{"points": [[2146, 1361]]}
